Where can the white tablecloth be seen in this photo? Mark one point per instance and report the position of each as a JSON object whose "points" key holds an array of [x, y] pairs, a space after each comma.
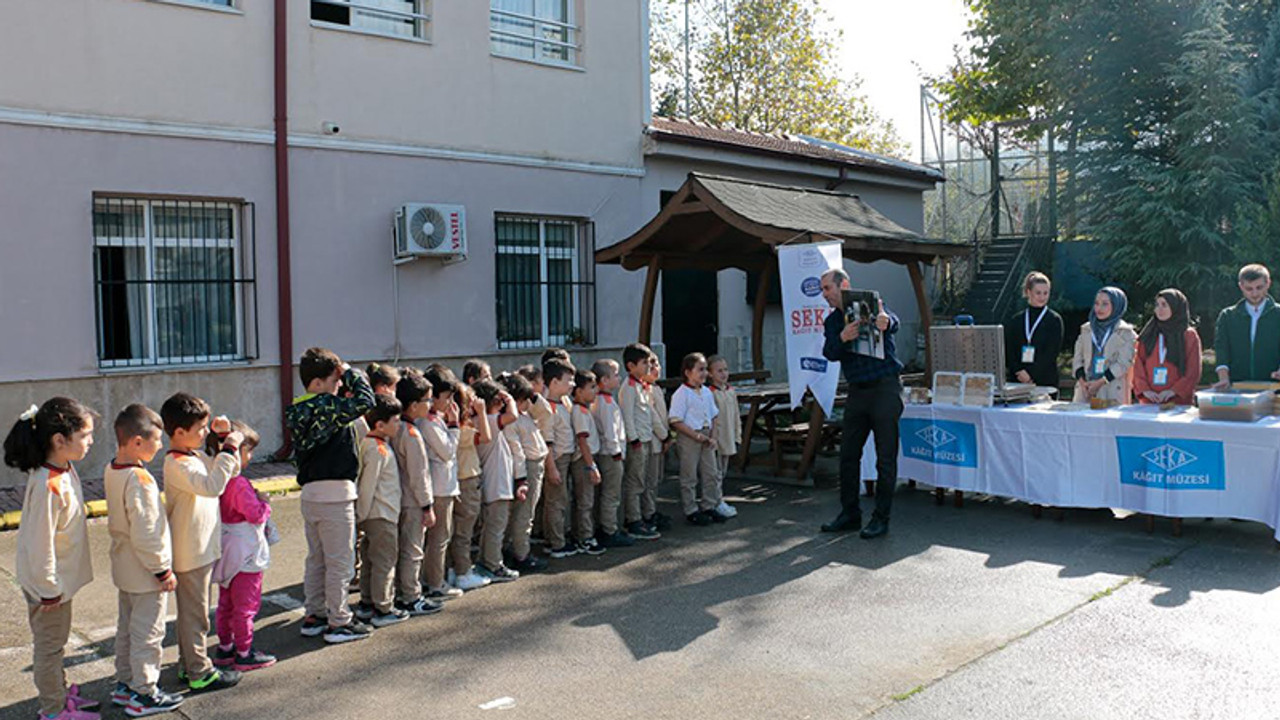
{"points": [[1170, 464]]}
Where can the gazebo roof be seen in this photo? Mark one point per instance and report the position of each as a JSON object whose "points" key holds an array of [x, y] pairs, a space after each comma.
{"points": [[716, 222]]}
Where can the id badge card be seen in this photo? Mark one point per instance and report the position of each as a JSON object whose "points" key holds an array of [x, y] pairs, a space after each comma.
{"points": [[1099, 367], [1028, 354], [1160, 376]]}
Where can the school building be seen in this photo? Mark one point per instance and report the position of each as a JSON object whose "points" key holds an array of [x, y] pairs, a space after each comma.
{"points": [[192, 192]]}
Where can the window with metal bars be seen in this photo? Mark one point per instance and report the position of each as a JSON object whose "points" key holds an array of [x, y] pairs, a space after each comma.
{"points": [[174, 281], [546, 282], [538, 30], [394, 18]]}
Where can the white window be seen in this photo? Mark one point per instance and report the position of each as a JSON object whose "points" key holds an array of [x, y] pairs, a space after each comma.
{"points": [[174, 281], [537, 30], [545, 281], [394, 18]]}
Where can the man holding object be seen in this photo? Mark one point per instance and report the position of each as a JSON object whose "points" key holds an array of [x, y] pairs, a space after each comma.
{"points": [[873, 407]]}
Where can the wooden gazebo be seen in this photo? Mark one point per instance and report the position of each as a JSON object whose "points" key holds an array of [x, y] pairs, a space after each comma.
{"points": [[715, 223]]}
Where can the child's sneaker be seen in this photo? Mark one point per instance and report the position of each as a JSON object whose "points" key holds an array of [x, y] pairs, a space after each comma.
{"points": [[121, 695], [71, 713], [640, 531], [421, 606], [471, 581], [726, 509], [619, 539], [590, 547], [390, 617], [154, 704], [442, 594], [223, 658], [529, 564], [314, 626], [564, 551], [715, 516], [699, 518], [253, 660], [500, 575], [364, 611], [215, 680], [352, 631], [79, 701]]}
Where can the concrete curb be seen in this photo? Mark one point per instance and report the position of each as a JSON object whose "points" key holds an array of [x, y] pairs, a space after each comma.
{"points": [[98, 508]]}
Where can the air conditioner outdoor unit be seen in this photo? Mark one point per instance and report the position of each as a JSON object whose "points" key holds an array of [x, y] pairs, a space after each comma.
{"points": [[431, 231]]}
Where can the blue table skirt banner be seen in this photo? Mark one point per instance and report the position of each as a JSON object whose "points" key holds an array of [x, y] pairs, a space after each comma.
{"points": [[1134, 458]]}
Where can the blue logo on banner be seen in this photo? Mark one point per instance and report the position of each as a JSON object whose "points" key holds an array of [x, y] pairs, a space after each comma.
{"points": [[941, 442], [813, 364], [811, 286], [1172, 464]]}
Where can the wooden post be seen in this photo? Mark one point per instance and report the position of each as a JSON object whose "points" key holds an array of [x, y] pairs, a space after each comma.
{"points": [[926, 315], [650, 296], [757, 320]]}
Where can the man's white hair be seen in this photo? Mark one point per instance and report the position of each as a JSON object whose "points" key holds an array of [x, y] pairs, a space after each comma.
{"points": [[838, 274]]}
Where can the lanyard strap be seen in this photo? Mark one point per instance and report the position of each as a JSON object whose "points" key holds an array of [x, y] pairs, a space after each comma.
{"points": [[1163, 350], [1026, 321], [1101, 346]]}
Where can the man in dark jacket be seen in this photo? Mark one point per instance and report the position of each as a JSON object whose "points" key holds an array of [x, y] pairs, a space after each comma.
{"points": [[873, 407], [1247, 335]]}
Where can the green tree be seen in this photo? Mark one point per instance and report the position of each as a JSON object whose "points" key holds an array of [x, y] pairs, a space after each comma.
{"points": [[762, 66]]}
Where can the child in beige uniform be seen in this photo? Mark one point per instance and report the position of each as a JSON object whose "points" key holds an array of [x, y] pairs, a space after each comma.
{"points": [[637, 422], [662, 442], [501, 483], [558, 375], [52, 560], [466, 509], [193, 482], [582, 466], [728, 421], [141, 562], [378, 515], [542, 414], [613, 440], [440, 431], [417, 502], [524, 431]]}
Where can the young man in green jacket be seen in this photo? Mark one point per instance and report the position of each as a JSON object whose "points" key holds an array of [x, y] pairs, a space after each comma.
{"points": [[1247, 339]]}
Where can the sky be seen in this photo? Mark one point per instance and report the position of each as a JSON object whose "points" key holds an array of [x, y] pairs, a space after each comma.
{"points": [[890, 44]]}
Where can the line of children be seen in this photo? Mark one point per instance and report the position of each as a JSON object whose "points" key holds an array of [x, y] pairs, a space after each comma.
{"points": [[415, 466]]}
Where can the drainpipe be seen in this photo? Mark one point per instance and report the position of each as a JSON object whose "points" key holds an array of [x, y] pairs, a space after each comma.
{"points": [[284, 284]]}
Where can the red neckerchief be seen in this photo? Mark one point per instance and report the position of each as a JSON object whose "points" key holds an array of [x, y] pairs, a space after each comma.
{"points": [[117, 466], [585, 408], [644, 385], [183, 453], [608, 397]]}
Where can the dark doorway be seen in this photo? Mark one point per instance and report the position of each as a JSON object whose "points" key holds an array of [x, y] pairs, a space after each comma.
{"points": [[690, 313]]}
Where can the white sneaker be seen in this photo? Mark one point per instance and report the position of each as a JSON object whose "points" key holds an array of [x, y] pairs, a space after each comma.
{"points": [[726, 509], [471, 581]]}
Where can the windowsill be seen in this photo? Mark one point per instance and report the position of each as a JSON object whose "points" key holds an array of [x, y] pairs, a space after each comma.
{"points": [[177, 367], [225, 10], [541, 63], [358, 31]]}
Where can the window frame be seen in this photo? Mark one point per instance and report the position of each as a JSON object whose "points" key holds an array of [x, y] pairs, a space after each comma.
{"points": [[242, 283], [583, 311], [422, 19], [569, 24]]}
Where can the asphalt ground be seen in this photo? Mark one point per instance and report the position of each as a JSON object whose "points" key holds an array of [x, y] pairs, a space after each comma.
{"points": [[979, 612]]}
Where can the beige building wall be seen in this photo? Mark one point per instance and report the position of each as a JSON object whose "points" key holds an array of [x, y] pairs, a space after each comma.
{"points": [[177, 63]]}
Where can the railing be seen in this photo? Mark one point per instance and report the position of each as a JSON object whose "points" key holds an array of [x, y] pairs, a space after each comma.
{"points": [[545, 39]]}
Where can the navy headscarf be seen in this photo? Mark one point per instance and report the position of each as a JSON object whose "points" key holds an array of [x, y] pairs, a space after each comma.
{"points": [[1119, 304]]}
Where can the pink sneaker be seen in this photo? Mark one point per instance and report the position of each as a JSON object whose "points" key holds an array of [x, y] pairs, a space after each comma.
{"points": [[78, 701], [71, 713]]}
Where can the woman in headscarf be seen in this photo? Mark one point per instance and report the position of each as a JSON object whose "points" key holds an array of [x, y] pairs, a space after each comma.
{"points": [[1167, 366], [1104, 351]]}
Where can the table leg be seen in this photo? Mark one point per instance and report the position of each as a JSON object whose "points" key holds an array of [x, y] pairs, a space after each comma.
{"points": [[811, 440], [869, 488], [1177, 527], [748, 428], [1150, 524], [1037, 511], [939, 496], [959, 498]]}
